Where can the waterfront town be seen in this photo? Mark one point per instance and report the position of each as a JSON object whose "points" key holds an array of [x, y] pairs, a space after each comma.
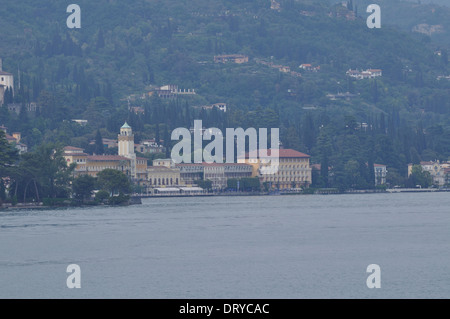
{"points": [[160, 176], [166, 177]]}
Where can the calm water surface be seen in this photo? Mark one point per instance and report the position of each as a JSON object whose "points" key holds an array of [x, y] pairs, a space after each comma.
{"points": [[232, 247]]}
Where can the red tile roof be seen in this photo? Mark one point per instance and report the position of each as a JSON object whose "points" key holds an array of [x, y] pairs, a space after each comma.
{"points": [[75, 154], [72, 148], [212, 164], [284, 153], [225, 164], [107, 158], [188, 164]]}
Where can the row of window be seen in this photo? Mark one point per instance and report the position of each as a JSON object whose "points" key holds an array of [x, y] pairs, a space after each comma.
{"points": [[286, 179], [163, 181]]}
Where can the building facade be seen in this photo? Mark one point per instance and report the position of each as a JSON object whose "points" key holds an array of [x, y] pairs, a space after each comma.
{"points": [[380, 174], [126, 161], [6, 82], [436, 169], [294, 170], [217, 173], [15, 139], [160, 176]]}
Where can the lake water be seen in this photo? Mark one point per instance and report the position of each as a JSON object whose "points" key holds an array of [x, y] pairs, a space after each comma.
{"points": [[232, 247]]}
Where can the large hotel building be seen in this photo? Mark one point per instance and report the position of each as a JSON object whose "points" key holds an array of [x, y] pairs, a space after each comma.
{"points": [[293, 170]]}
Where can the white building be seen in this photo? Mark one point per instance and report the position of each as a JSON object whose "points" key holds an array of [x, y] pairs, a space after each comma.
{"points": [[367, 74], [380, 174], [6, 81]]}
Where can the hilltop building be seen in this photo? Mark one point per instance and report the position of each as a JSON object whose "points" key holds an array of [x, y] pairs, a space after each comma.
{"points": [[235, 58], [219, 106], [367, 74], [6, 82], [15, 139], [170, 91], [309, 67]]}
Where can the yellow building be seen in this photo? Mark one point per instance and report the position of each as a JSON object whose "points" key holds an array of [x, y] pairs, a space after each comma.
{"points": [[160, 176], [126, 161], [294, 170], [436, 169], [163, 173], [97, 163], [76, 155]]}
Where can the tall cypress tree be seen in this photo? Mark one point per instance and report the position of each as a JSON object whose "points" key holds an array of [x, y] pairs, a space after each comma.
{"points": [[371, 172], [99, 148], [324, 170], [157, 137]]}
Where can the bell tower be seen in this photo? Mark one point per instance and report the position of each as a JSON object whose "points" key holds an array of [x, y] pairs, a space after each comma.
{"points": [[126, 141], [126, 146]]}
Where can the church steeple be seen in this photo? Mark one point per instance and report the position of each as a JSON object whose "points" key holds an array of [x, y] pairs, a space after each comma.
{"points": [[126, 146], [126, 141]]}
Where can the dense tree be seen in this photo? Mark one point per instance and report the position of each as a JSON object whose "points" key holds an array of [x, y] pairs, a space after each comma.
{"points": [[83, 186], [419, 177], [99, 147], [113, 181]]}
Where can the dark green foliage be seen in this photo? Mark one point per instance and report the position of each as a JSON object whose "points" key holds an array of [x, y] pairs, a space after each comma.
{"points": [[83, 186], [204, 184], [124, 48], [249, 184], [419, 177], [99, 147], [101, 196], [113, 181]]}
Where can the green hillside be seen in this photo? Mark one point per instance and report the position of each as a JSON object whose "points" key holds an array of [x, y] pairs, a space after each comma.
{"points": [[127, 48]]}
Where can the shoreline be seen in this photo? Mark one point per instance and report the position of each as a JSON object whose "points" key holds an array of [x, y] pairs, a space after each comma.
{"points": [[137, 199]]}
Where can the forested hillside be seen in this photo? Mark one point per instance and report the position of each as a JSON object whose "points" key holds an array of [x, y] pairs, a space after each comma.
{"points": [[126, 48]]}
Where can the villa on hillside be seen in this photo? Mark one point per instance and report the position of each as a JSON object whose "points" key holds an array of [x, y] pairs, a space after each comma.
{"points": [[15, 139], [235, 58], [367, 74], [6, 82]]}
